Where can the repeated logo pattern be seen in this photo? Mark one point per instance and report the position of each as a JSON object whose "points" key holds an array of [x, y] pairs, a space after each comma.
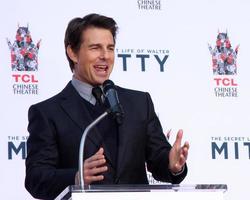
{"points": [[24, 53], [223, 56]]}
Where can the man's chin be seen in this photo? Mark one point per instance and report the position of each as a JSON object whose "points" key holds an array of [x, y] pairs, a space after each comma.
{"points": [[101, 81]]}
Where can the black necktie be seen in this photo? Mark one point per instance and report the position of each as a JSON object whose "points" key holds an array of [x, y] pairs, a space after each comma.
{"points": [[97, 93]]}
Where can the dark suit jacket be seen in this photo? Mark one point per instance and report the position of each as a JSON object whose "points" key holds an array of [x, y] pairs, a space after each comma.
{"points": [[56, 126]]}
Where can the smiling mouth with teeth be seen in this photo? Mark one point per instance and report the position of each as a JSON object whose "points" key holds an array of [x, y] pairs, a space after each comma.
{"points": [[101, 68]]}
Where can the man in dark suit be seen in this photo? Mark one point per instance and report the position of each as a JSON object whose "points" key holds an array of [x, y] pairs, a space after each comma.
{"points": [[116, 153]]}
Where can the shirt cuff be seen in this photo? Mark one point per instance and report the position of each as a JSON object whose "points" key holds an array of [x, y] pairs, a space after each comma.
{"points": [[180, 172]]}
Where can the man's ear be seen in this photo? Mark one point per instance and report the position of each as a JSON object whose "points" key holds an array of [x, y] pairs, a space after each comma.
{"points": [[71, 54]]}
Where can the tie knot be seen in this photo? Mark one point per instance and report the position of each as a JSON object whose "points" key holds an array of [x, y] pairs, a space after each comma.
{"points": [[97, 93]]}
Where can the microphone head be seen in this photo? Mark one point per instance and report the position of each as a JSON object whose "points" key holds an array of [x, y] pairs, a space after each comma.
{"points": [[110, 93], [108, 84]]}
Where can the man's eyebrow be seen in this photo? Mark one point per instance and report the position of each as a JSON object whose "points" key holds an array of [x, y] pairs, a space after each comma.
{"points": [[94, 44], [111, 45], [99, 45]]}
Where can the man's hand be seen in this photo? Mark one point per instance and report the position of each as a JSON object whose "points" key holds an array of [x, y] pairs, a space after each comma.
{"points": [[93, 167], [178, 154]]}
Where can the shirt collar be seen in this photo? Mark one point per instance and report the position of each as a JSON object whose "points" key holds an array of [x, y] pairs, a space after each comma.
{"points": [[84, 89]]}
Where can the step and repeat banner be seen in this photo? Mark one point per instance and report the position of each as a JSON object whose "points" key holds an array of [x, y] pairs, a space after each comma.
{"points": [[191, 56]]}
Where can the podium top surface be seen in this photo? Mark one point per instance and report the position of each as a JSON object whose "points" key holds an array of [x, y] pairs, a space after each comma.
{"points": [[137, 187], [143, 188]]}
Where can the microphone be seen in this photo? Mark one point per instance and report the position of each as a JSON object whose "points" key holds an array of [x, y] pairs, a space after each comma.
{"points": [[115, 109], [110, 93]]}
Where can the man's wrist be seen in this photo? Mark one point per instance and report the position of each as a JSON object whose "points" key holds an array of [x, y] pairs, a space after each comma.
{"points": [[180, 172]]}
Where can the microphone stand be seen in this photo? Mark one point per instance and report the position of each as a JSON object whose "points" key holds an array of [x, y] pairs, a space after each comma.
{"points": [[82, 144]]}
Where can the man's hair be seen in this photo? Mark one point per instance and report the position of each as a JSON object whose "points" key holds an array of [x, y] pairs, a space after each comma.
{"points": [[73, 34]]}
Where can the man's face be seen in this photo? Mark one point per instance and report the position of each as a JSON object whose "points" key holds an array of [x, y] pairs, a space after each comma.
{"points": [[95, 59]]}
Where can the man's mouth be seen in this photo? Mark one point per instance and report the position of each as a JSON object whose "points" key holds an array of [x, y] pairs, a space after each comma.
{"points": [[101, 68]]}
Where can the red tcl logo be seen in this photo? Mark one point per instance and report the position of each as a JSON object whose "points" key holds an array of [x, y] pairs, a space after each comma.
{"points": [[225, 82], [25, 78]]}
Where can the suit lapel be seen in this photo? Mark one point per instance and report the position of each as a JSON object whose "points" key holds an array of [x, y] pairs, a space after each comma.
{"points": [[79, 113]]}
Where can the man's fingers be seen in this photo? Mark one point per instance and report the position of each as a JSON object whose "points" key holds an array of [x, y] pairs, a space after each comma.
{"points": [[186, 145], [185, 149], [94, 166], [181, 162], [178, 138], [185, 152], [94, 174], [100, 151], [95, 171], [96, 156], [95, 163], [90, 179]]}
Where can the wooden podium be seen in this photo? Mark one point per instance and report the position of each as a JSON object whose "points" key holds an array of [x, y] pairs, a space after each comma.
{"points": [[145, 192]]}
